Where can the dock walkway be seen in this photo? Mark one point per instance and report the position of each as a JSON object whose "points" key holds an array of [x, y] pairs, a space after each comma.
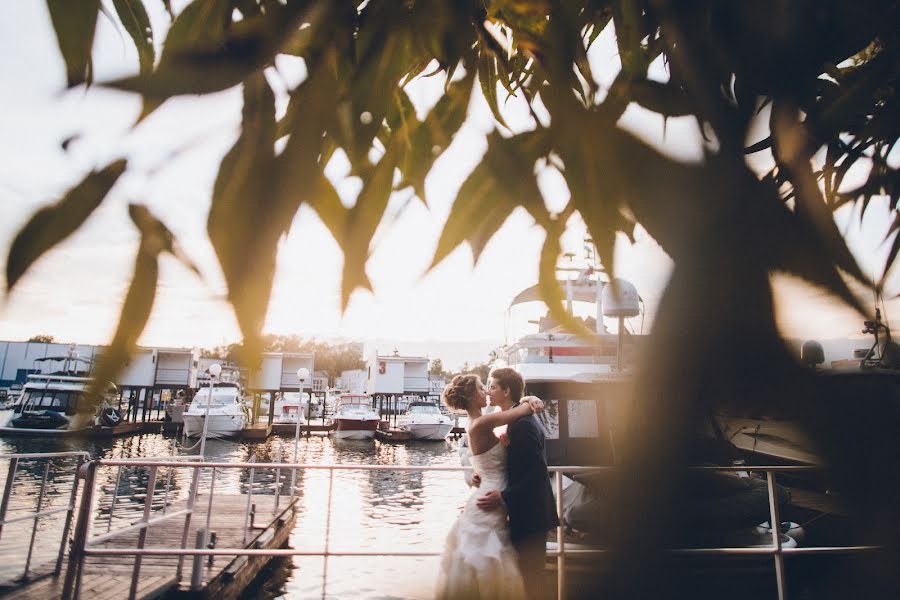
{"points": [[110, 577]]}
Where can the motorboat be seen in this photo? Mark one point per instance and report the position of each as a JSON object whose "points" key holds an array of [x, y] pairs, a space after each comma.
{"points": [[223, 405], [425, 421], [354, 418], [53, 401], [290, 406]]}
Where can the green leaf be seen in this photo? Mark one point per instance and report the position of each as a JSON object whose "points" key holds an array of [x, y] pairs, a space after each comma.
{"points": [[201, 58], [487, 77], [434, 135], [362, 221], [74, 22], [136, 22], [548, 285], [245, 221], [134, 316], [52, 224], [503, 181]]}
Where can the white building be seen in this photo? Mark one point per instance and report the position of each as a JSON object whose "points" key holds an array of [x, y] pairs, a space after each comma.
{"points": [[352, 381], [395, 374], [278, 372], [159, 368]]}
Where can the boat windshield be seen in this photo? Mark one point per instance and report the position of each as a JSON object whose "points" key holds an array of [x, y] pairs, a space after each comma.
{"points": [[58, 400], [423, 409], [223, 396]]}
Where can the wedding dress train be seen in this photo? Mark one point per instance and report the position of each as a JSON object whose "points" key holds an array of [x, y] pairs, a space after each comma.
{"points": [[479, 562]]}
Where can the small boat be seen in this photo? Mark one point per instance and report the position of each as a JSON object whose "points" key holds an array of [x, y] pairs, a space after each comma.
{"points": [[354, 418], [52, 402], [226, 410], [425, 421], [290, 406]]}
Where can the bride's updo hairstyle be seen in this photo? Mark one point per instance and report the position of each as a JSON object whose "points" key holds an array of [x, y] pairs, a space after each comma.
{"points": [[460, 391]]}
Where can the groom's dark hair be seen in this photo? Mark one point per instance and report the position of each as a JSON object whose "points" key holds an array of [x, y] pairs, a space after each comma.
{"points": [[508, 379]]}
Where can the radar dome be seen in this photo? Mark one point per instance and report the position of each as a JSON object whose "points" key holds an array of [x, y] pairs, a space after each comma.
{"points": [[812, 353], [620, 299]]}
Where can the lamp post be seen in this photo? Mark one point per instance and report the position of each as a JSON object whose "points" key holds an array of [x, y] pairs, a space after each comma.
{"points": [[214, 370], [302, 375]]}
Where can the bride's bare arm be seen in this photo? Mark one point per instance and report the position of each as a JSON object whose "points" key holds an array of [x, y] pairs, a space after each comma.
{"points": [[528, 405]]}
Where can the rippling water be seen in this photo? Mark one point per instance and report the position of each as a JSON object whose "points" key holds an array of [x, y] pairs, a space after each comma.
{"points": [[371, 510]]}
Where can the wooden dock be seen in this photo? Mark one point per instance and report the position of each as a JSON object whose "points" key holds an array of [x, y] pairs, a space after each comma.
{"points": [[110, 577], [289, 429]]}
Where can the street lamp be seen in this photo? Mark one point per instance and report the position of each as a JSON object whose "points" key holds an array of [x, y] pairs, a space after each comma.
{"points": [[302, 375], [214, 370]]}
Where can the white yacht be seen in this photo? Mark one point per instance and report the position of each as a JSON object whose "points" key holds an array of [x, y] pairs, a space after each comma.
{"points": [[53, 401], [225, 407], [425, 421], [583, 380], [354, 418]]}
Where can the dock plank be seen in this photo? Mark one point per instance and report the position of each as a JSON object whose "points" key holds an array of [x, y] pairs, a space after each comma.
{"points": [[109, 577]]}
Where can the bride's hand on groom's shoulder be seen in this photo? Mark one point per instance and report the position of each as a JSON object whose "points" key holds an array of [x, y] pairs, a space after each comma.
{"points": [[537, 405]]}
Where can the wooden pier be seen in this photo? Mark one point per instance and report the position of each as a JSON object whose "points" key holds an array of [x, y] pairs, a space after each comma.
{"points": [[110, 577], [289, 429]]}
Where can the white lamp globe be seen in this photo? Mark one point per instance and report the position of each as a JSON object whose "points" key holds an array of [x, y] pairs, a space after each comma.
{"points": [[302, 373], [215, 369]]}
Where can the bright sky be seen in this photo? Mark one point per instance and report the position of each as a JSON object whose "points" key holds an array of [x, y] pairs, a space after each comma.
{"points": [[455, 312]]}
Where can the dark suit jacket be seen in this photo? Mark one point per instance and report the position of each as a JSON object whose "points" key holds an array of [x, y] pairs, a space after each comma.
{"points": [[528, 495]]}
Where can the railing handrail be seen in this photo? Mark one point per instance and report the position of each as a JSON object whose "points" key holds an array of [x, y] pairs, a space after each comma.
{"points": [[89, 548], [34, 455], [172, 462]]}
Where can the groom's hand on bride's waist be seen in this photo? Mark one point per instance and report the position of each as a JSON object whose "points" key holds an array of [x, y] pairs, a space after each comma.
{"points": [[490, 501]]}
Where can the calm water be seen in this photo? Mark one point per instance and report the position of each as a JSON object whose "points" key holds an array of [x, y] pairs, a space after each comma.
{"points": [[371, 510]]}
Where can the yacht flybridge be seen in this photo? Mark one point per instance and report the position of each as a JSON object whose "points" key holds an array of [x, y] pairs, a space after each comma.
{"points": [[583, 379]]}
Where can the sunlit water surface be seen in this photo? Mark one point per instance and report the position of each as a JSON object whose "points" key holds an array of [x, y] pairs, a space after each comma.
{"points": [[386, 511]]}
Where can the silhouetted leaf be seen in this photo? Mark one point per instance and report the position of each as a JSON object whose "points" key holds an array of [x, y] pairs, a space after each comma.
{"points": [[503, 181], [246, 246], [137, 24], [134, 316], [74, 23], [433, 136], [487, 77], [206, 63], [551, 291], [52, 224]]}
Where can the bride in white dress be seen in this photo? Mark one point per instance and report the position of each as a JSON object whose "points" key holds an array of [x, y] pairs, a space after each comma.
{"points": [[479, 562]]}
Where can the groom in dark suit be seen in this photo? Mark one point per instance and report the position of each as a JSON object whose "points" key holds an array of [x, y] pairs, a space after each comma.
{"points": [[528, 496]]}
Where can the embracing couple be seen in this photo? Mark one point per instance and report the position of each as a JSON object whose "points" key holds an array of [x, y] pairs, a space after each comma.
{"points": [[497, 548]]}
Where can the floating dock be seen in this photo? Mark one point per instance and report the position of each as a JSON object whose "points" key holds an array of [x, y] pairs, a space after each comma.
{"points": [[224, 578]]}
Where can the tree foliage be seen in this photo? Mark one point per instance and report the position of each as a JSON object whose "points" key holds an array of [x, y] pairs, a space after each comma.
{"points": [[821, 73]]}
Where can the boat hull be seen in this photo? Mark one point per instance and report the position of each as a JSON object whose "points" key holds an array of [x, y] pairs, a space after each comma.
{"points": [[429, 431], [355, 429], [219, 425]]}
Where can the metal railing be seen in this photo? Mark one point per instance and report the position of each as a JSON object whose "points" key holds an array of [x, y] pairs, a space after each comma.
{"points": [[40, 512], [85, 546]]}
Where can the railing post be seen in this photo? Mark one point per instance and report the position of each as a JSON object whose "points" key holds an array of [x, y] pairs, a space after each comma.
{"points": [[278, 479], [212, 491], [327, 533], [7, 490], [142, 535], [69, 515], [560, 541], [249, 499], [34, 523], [72, 582], [775, 523], [115, 498], [197, 570], [195, 482]]}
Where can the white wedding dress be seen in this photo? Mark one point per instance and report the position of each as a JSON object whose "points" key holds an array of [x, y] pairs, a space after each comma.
{"points": [[479, 562]]}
